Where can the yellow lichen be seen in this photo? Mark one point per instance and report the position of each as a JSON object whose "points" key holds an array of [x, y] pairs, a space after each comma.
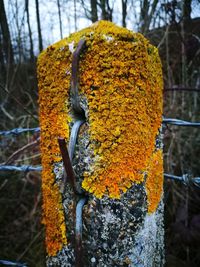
{"points": [[121, 78]]}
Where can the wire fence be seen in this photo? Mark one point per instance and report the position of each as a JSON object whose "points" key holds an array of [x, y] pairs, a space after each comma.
{"points": [[186, 179], [12, 263], [180, 122], [23, 168], [17, 131], [171, 121]]}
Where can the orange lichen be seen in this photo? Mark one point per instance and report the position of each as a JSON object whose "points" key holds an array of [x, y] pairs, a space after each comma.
{"points": [[121, 78], [54, 123], [154, 182]]}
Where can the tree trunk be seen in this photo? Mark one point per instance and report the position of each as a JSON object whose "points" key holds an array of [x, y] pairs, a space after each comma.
{"points": [[2, 63], [146, 15], [29, 30], [144, 9], [124, 12], [60, 19], [7, 45], [94, 15], [75, 16], [39, 26], [187, 9], [106, 10]]}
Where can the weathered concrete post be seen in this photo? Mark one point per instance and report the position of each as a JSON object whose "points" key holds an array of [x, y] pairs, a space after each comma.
{"points": [[100, 91]]}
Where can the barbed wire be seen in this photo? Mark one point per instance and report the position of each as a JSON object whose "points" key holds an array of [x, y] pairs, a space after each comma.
{"points": [[23, 168], [26, 168], [12, 263], [17, 131], [171, 121], [180, 122], [186, 179]]}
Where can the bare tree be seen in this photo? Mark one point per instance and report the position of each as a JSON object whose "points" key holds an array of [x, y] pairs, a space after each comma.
{"points": [[75, 16], [148, 9], [106, 10], [124, 12], [187, 9], [94, 15], [90, 8], [60, 19], [39, 26], [29, 30], [6, 40]]}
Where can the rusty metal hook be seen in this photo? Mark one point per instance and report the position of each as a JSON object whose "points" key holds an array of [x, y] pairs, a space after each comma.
{"points": [[76, 107], [67, 154]]}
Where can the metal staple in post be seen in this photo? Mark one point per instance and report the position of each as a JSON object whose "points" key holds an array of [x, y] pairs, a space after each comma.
{"points": [[78, 232], [67, 165], [76, 107], [67, 154]]}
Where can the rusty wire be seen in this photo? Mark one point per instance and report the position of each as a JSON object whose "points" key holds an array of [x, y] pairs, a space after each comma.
{"points": [[76, 107], [67, 154]]}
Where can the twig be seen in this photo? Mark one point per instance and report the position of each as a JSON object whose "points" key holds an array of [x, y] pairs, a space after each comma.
{"points": [[18, 102], [30, 244], [21, 150]]}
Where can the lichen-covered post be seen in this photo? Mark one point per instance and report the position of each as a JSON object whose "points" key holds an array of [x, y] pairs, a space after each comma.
{"points": [[115, 78]]}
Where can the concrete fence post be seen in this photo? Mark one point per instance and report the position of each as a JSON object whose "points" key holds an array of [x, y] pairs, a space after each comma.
{"points": [[100, 96]]}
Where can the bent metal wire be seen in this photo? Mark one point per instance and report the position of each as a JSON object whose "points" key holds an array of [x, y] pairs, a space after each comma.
{"points": [[67, 154]]}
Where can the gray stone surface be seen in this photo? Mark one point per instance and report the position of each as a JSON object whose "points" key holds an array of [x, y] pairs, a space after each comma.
{"points": [[115, 232]]}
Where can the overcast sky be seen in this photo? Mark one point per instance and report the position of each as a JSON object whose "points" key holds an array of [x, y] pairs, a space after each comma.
{"points": [[50, 21]]}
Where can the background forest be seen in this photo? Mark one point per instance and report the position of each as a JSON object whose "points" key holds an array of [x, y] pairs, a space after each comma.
{"points": [[28, 27]]}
